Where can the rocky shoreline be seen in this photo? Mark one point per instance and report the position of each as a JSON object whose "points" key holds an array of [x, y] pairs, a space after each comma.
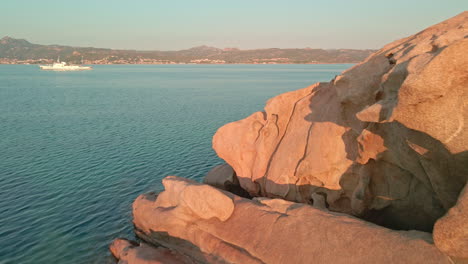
{"points": [[370, 167]]}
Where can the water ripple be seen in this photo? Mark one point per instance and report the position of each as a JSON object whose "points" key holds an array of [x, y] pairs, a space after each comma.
{"points": [[77, 149]]}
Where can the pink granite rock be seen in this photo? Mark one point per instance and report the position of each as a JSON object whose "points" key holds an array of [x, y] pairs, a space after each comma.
{"points": [[385, 141], [221, 177], [130, 253], [451, 231], [224, 177], [268, 230]]}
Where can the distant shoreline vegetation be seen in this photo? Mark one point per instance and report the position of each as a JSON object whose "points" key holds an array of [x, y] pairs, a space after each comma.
{"points": [[20, 51]]}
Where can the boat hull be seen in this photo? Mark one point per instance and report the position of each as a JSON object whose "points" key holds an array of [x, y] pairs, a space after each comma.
{"points": [[65, 68]]}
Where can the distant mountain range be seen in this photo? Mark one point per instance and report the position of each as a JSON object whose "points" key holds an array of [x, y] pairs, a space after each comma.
{"points": [[20, 51]]}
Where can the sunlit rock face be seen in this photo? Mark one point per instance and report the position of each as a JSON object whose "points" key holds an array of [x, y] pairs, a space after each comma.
{"points": [[220, 227], [386, 140]]}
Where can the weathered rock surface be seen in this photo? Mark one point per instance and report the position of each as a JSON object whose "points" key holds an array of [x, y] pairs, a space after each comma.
{"points": [[385, 141], [451, 231], [214, 226], [130, 253]]}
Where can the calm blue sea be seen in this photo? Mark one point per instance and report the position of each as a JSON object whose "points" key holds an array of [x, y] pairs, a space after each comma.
{"points": [[76, 148]]}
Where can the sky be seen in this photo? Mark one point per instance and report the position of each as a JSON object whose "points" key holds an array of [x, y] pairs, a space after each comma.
{"points": [[245, 24]]}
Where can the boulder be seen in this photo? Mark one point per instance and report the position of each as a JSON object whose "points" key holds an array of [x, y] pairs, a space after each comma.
{"points": [[128, 252], [451, 231], [224, 177], [221, 177], [268, 230], [385, 141]]}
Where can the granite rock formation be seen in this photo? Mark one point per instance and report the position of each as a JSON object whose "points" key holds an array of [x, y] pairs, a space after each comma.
{"points": [[385, 141], [356, 170], [225, 228]]}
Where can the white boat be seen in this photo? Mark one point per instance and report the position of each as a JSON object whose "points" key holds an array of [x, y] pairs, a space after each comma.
{"points": [[62, 66]]}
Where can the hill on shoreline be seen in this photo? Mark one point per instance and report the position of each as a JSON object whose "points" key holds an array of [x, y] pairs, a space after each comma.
{"points": [[21, 51]]}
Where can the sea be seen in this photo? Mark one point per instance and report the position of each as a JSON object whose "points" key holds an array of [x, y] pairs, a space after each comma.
{"points": [[76, 148]]}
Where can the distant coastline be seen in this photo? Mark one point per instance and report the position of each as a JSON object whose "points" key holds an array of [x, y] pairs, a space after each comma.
{"points": [[20, 51], [181, 63]]}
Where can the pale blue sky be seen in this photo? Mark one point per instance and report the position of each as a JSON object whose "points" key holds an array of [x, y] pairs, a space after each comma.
{"points": [[177, 24]]}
